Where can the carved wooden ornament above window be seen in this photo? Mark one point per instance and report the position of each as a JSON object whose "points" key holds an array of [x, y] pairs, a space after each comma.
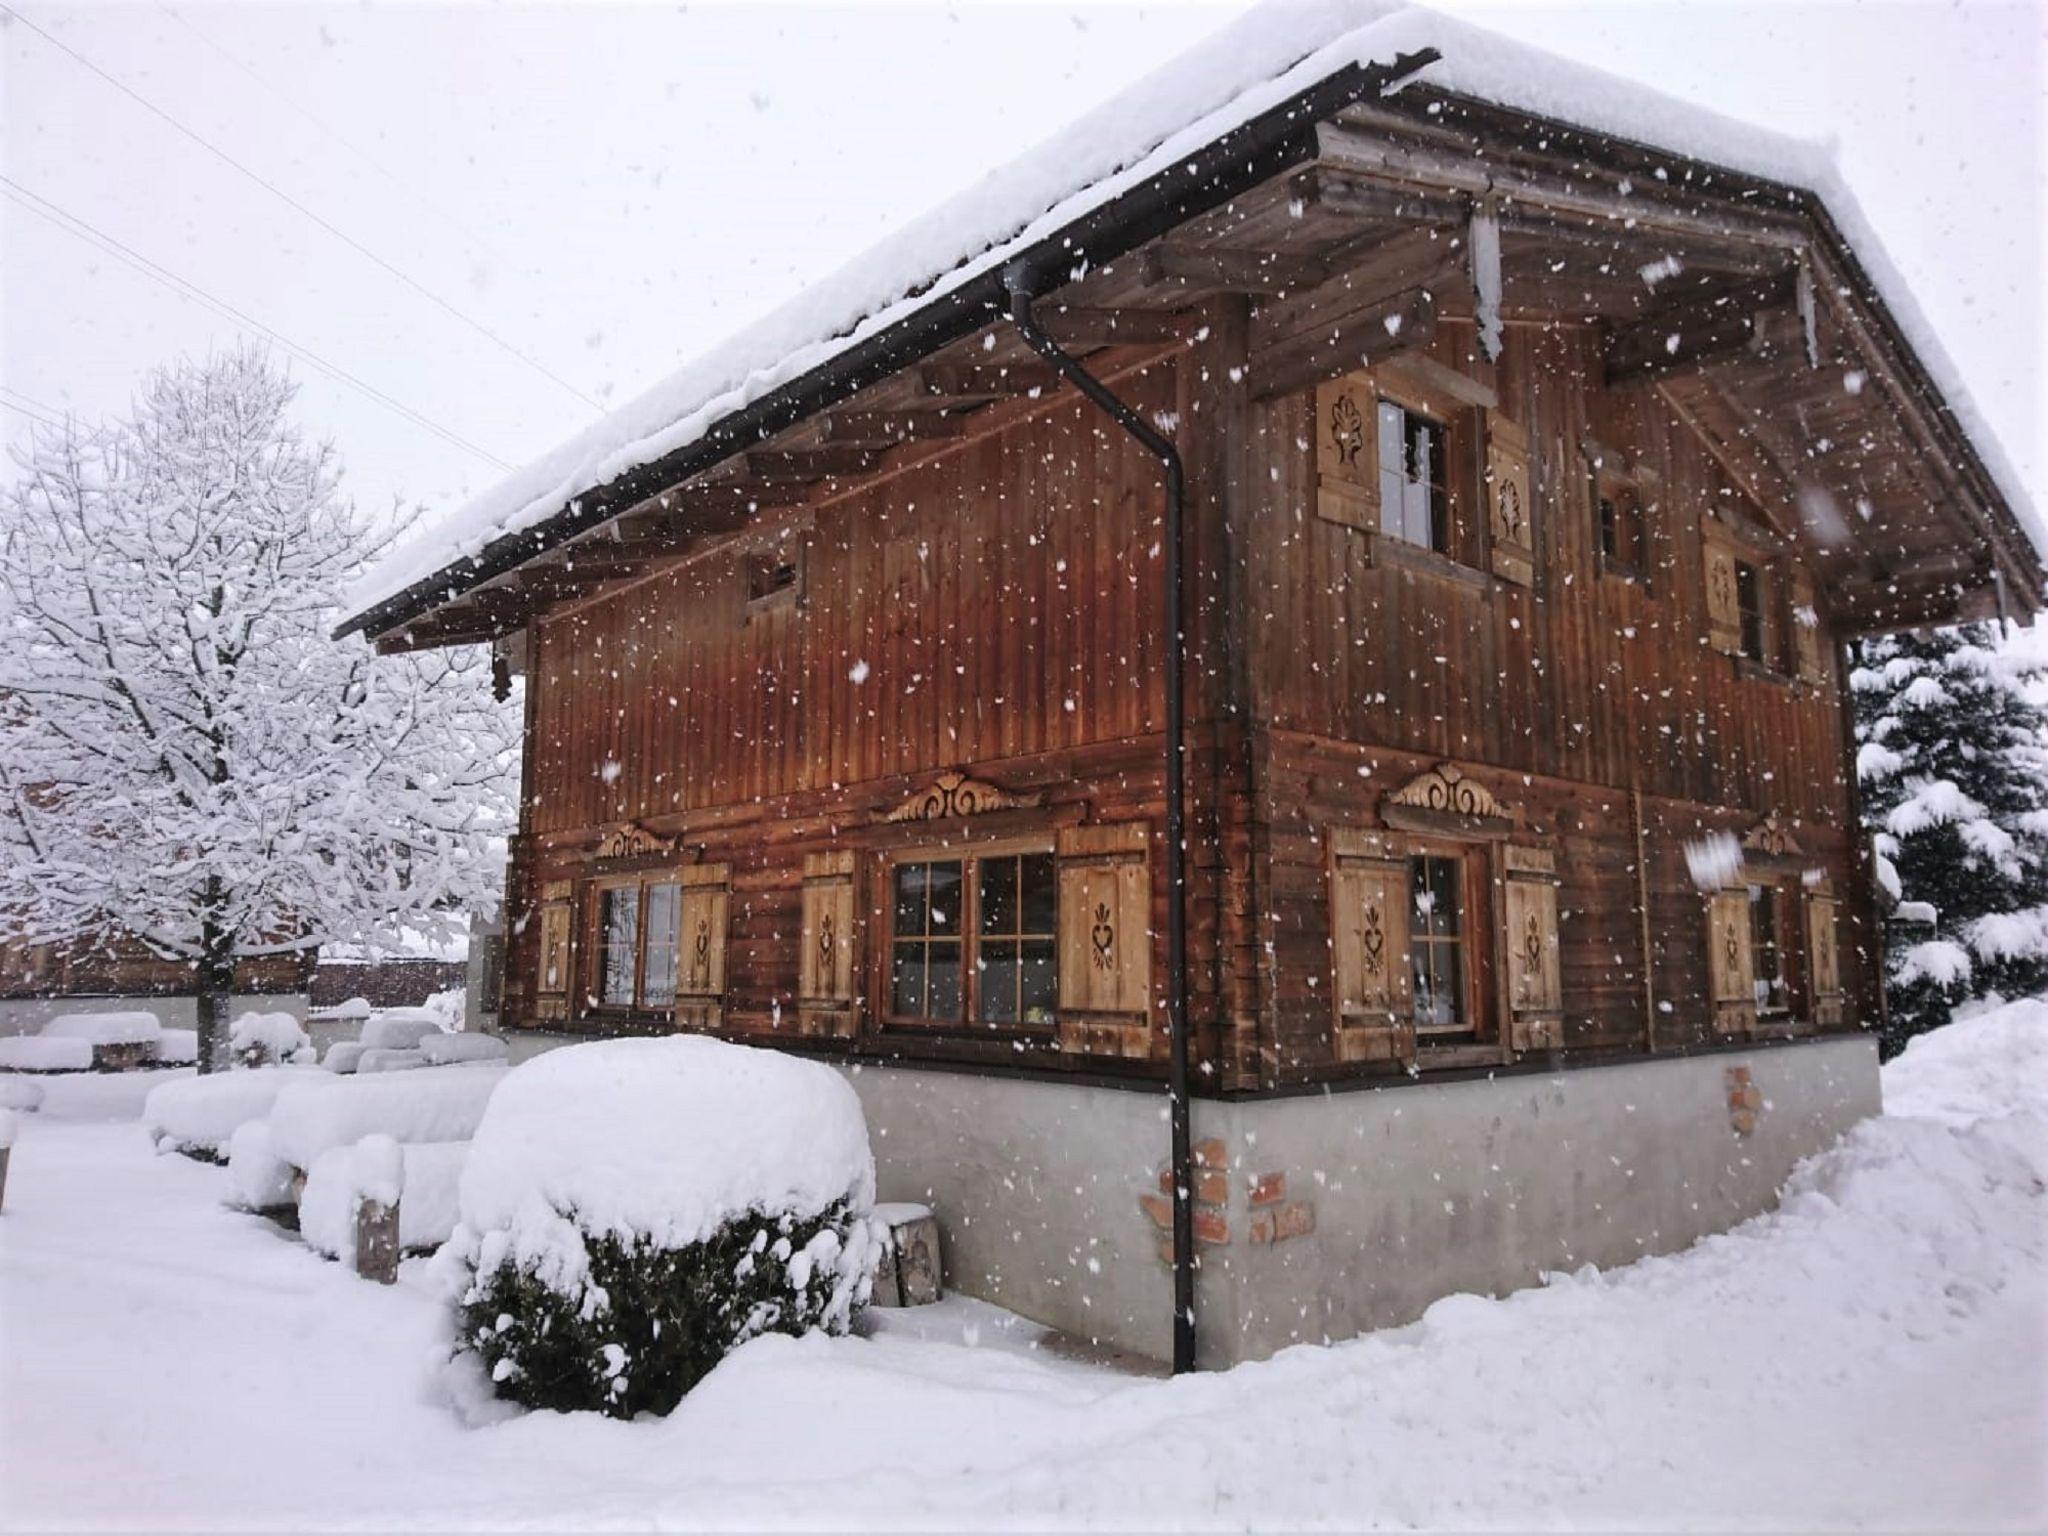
{"points": [[630, 840], [955, 794], [1443, 800], [1769, 848]]}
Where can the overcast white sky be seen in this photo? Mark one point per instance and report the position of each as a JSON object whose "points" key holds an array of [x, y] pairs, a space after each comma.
{"points": [[501, 218]]}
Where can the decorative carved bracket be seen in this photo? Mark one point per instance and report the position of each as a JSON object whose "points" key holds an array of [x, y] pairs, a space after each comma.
{"points": [[954, 794], [1769, 848], [630, 840], [1442, 799]]}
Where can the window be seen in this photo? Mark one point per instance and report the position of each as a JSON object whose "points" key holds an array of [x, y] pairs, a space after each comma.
{"points": [[1015, 938], [636, 945], [1767, 951], [1750, 604], [974, 939], [774, 578], [1436, 944], [1621, 529], [1414, 497]]}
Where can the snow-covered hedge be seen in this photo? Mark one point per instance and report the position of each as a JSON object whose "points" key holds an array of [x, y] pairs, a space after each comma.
{"points": [[319, 1110], [134, 1027], [200, 1115], [258, 1179], [441, 1050], [399, 1029], [633, 1210], [343, 1056], [342, 1176], [265, 1039], [177, 1048], [39, 1053]]}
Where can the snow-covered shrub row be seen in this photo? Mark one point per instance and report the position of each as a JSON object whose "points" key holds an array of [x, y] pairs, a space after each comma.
{"points": [[633, 1210], [177, 1048], [320, 1111], [375, 1059], [134, 1027], [200, 1115], [399, 1029], [39, 1053], [425, 1188], [350, 1008], [447, 1006], [266, 1039], [343, 1056]]}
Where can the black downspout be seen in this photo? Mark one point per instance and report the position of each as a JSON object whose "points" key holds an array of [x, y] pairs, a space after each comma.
{"points": [[1017, 280]]}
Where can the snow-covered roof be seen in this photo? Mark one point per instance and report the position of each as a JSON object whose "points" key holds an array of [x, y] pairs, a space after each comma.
{"points": [[1260, 61]]}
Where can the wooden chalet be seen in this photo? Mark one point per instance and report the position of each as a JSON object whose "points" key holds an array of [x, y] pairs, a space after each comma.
{"points": [[1535, 478]]}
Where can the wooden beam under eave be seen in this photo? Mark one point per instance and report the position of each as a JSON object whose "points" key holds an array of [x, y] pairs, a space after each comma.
{"points": [[886, 429], [1366, 337], [1688, 336], [1230, 271], [1078, 327], [779, 465], [986, 381]]}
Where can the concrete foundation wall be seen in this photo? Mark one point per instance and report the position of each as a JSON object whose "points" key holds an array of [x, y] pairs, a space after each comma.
{"points": [[1326, 1216], [27, 1015]]}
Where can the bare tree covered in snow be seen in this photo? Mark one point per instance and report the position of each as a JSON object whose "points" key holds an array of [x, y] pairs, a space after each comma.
{"points": [[185, 754]]}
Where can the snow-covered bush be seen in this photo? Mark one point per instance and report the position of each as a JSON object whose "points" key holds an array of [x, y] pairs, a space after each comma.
{"points": [[200, 1115], [399, 1029], [39, 1053], [348, 1008], [319, 1111], [258, 1179], [343, 1056], [440, 1050], [633, 1210], [342, 1176], [447, 1006], [375, 1060], [177, 1048], [265, 1039]]}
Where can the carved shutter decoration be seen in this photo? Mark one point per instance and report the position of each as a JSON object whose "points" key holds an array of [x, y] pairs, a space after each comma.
{"points": [[1535, 979], [1730, 966], [1809, 640], [1724, 608], [1509, 506], [700, 964], [1105, 940], [1824, 958], [825, 1001], [1369, 950], [551, 1001], [1347, 451]]}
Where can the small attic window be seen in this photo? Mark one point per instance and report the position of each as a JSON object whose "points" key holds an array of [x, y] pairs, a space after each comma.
{"points": [[774, 578]]}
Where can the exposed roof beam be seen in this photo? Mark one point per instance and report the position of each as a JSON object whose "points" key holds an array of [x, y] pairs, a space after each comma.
{"points": [[1230, 271], [1074, 327], [1358, 341], [811, 463], [881, 429], [1687, 336], [986, 381]]}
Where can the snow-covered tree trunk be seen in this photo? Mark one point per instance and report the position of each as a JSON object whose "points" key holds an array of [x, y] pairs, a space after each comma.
{"points": [[186, 755]]}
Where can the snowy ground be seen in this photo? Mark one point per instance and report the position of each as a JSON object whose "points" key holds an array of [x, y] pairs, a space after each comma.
{"points": [[1874, 1355]]}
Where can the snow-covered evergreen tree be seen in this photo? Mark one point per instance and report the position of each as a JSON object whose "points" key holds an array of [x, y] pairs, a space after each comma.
{"points": [[1954, 766], [186, 755]]}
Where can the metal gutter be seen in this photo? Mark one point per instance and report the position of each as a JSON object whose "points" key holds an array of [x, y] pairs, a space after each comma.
{"points": [[1279, 139], [1022, 280]]}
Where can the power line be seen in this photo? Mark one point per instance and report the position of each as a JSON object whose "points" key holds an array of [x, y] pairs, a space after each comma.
{"points": [[185, 288], [33, 415], [278, 192]]}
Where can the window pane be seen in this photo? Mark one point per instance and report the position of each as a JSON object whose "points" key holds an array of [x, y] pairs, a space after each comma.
{"points": [[999, 895], [658, 974], [943, 979], [996, 975], [1039, 883], [910, 898], [1037, 981], [1439, 984], [942, 883], [906, 984], [1392, 457], [619, 935]]}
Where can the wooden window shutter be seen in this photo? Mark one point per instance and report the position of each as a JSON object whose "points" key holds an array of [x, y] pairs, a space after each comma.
{"points": [[1724, 606], [700, 968], [1372, 995], [1510, 510], [1730, 965], [1347, 451], [1105, 939], [1824, 958], [1535, 976], [557, 966], [825, 998], [1809, 639]]}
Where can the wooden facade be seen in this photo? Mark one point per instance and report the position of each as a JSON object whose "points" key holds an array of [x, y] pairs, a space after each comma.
{"points": [[1518, 731]]}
